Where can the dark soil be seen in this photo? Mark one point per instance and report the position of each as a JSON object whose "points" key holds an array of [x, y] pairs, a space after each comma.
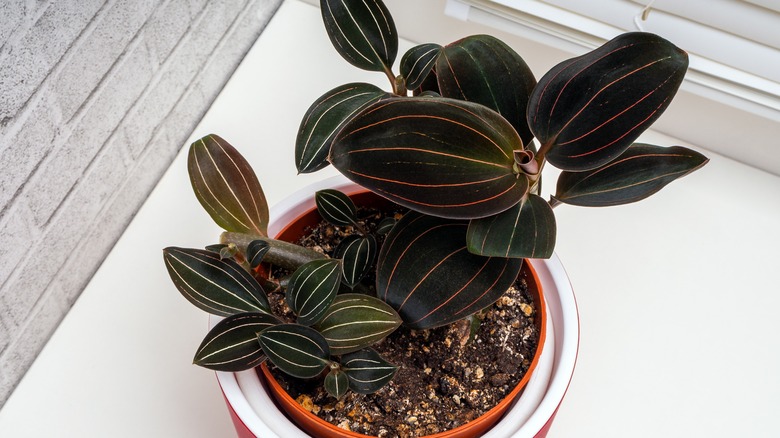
{"points": [[443, 380]]}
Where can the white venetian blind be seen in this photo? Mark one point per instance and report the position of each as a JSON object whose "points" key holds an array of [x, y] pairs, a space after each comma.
{"points": [[734, 45]]}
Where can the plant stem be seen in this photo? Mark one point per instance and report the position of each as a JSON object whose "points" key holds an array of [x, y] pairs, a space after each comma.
{"points": [[554, 202], [280, 253]]}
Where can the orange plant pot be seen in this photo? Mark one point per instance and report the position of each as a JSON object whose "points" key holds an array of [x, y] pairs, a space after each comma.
{"points": [[320, 428]]}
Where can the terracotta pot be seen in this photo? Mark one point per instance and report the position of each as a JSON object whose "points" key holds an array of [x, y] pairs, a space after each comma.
{"points": [[255, 413]]}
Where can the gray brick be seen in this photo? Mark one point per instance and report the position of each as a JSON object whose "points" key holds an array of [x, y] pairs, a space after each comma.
{"points": [[12, 13], [181, 67], [101, 118], [32, 58], [97, 52], [17, 237], [165, 29], [21, 153], [21, 353], [5, 337]]}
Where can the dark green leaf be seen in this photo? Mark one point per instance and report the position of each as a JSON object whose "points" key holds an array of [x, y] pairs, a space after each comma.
{"points": [[227, 187], [312, 289], [324, 119], [636, 174], [335, 207], [525, 230], [297, 350], [355, 321], [217, 286], [232, 344], [385, 225], [440, 156], [483, 69], [336, 383], [587, 110], [367, 371], [217, 247], [357, 254], [417, 63], [426, 273], [255, 252], [362, 31]]}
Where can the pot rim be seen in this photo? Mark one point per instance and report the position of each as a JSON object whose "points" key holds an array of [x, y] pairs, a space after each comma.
{"points": [[254, 408]]}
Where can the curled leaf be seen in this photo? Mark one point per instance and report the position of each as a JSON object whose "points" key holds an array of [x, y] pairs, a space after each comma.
{"points": [[255, 251], [336, 207], [336, 383], [417, 63], [312, 288], [357, 254]]}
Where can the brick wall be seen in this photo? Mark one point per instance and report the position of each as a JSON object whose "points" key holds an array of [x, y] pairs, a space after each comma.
{"points": [[96, 97]]}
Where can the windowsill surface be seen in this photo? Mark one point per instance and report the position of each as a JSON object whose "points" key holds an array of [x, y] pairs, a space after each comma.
{"points": [[677, 294]]}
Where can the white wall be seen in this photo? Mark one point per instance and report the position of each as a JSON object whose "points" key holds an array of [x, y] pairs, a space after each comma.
{"points": [[96, 98]]}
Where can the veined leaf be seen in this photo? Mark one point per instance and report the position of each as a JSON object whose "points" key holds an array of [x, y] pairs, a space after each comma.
{"points": [[355, 321], [385, 225], [297, 350], [218, 286], [323, 120], [336, 207], [232, 344], [336, 383], [439, 156], [367, 371], [255, 252], [526, 230], [417, 63], [587, 110], [426, 273], [227, 187], [312, 289], [362, 31], [483, 69], [357, 254], [639, 172]]}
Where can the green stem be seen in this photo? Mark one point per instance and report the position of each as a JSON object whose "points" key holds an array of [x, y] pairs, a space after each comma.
{"points": [[280, 253]]}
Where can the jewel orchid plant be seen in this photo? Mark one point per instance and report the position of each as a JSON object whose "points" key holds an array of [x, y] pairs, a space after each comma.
{"points": [[460, 139]]}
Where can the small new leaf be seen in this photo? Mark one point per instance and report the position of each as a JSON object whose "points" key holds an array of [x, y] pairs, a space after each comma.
{"points": [[232, 344], [367, 371], [217, 286], [336, 383], [636, 174], [336, 207], [297, 350], [255, 252], [227, 187], [357, 254], [324, 119], [417, 63], [385, 225], [356, 321], [362, 31], [312, 288]]}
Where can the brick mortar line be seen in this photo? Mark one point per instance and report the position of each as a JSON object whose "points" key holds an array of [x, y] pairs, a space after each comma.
{"points": [[19, 33]]}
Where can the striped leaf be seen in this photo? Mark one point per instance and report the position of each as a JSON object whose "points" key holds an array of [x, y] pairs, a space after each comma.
{"points": [[483, 69], [218, 286], [417, 63], [385, 225], [636, 174], [255, 252], [323, 120], [525, 230], [357, 254], [232, 344], [426, 273], [312, 289], [367, 371], [355, 321], [336, 383], [336, 207], [439, 156], [296, 349], [227, 187], [362, 31], [587, 110]]}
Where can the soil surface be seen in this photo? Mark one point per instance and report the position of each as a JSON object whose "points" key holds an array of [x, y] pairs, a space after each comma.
{"points": [[444, 380]]}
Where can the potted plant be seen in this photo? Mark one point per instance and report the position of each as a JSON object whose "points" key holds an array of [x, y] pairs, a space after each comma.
{"points": [[460, 141]]}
